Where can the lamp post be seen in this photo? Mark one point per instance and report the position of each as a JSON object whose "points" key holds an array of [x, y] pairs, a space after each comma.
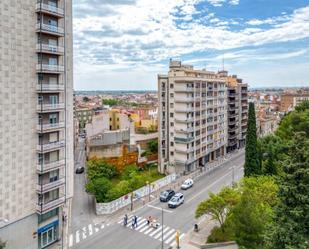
{"points": [[148, 184], [162, 243]]}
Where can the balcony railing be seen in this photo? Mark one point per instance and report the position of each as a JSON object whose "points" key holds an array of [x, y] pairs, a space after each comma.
{"points": [[49, 87], [49, 68], [49, 28], [184, 109], [51, 145], [49, 48], [183, 140], [44, 207], [42, 188], [186, 130], [47, 127], [50, 9], [184, 99], [50, 107], [47, 166], [186, 120], [184, 151]]}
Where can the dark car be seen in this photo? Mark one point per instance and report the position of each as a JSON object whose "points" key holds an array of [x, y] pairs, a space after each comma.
{"points": [[79, 170], [166, 195]]}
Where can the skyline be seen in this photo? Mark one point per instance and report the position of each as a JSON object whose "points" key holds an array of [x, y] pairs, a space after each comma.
{"points": [[124, 44]]}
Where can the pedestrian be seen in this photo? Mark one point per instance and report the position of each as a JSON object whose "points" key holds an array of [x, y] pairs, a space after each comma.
{"points": [[135, 220], [148, 220], [125, 220]]}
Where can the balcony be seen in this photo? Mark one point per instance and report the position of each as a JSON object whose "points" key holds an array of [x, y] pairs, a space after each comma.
{"points": [[211, 132], [183, 89], [45, 207], [49, 127], [50, 107], [185, 109], [50, 87], [50, 146], [49, 9], [43, 188], [47, 68], [49, 29], [183, 140], [184, 99], [186, 130], [187, 120], [184, 151], [49, 49], [48, 166]]}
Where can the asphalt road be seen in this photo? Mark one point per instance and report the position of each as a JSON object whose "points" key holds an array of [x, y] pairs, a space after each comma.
{"points": [[116, 236]]}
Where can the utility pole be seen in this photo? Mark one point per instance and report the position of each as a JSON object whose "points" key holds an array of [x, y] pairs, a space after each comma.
{"points": [[162, 244], [177, 239]]}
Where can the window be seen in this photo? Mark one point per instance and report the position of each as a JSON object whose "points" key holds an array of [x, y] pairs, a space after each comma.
{"points": [[172, 124], [172, 105], [171, 86], [172, 153], [172, 143], [53, 176], [172, 95], [171, 115], [48, 215]]}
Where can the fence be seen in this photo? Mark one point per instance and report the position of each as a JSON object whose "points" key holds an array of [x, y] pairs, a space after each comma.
{"points": [[113, 206]]}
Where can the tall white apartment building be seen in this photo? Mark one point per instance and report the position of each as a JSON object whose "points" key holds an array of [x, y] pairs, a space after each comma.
{"points": [[36, 122], [192, 118]]}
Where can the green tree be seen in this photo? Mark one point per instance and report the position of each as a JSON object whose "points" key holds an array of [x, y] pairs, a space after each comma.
{"points": [[291, 222], [86, 99], [129, 172], [153, 146], [303, 106], [98, 168], [269, 167], [253, 213], [99, 187], [218, 205], [252, 158]]}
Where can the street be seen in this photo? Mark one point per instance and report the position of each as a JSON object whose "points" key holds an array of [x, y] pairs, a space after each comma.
{"points": [[115, 236]]}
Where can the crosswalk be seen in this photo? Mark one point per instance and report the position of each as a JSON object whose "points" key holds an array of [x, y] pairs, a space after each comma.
{"points": [[84, 233], [169, 233]]}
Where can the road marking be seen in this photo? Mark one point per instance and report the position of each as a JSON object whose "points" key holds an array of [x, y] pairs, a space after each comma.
{"points": [[209, 186], [96, 229], [169, 240], [102, 226], [145, 228], [77, 237], [168, 234], [71, 240], [90, 229], [160, 234], [165, 210], [180, 237], [159, 229], [143, 223], [164, 231], [84, 233], [149, 230]]}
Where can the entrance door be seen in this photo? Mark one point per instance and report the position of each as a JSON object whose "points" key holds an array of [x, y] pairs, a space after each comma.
{"points": [[53, 99], [52, 45], [47, 237], [53, 119]]}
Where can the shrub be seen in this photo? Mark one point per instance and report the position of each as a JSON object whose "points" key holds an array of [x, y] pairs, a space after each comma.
{"points": [[98, 168], [129, 172], [99, 187]]}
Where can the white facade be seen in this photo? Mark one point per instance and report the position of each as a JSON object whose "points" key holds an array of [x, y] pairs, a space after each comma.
{"points": [[36, 128], [192, 118]]}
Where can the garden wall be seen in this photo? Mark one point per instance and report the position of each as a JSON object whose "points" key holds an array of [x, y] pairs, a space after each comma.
{"points": [[113, 206]]}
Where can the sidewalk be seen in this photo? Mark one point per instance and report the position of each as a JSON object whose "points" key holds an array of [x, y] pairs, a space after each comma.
{"points": [[138, 204]]}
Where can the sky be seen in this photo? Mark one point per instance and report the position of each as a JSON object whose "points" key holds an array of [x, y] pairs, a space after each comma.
{"points": [[124, 44]]}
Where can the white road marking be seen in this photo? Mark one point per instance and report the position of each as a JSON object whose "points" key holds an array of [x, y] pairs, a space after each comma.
{"points": [[142, 224], [71, 240], [168, 234], [149, 230], [77, 237], [145, 228], [165, 210], [160, 235], [84, 233], [169, 240], [102, 226], [159, 229], [209, 186], [90, 229], [96, 229]]}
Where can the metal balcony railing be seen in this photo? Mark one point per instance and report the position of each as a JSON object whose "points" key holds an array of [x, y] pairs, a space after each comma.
{"points": [[50, 9], [47, 127], [50, 107], [49, 28], [45, 187], [49, 68], [44, 207], [40, 47], [51, 146], [47, 166], [49, 87]]}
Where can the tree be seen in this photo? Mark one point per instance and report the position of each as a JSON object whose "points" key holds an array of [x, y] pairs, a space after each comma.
{"points": [[153, 146], [252, 158], [269, 167], [86, 99], [291, 229], [253, 213], [98, 168], [218, 205], [99, 187]]}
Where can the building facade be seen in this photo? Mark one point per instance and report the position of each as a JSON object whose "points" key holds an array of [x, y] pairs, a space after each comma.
{"points": [[84, 116], [290, 100], [36, 131], [237, 99], [192, 118]]}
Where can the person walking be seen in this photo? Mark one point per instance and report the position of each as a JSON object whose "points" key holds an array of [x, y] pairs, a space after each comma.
{"points": [[135, 220], [125, 220]]}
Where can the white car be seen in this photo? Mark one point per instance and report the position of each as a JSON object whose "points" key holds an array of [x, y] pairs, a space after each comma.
{"points": [[187, 184], [176, 200]]}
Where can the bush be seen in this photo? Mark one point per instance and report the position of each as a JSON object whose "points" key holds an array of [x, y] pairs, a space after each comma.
{"points": [[217, 235], [98, 168], [129, 172], [99, 187]]}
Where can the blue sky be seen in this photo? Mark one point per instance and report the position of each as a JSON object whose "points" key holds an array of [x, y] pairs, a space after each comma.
{"points": [[124, 44]]}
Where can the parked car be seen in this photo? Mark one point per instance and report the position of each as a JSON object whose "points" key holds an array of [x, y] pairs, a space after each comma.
{"points": [[166, 195], [187, 184], [176, 200], [79, 170]]}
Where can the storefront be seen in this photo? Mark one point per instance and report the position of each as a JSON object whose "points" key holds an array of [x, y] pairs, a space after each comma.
{"points": [[48, 234]]}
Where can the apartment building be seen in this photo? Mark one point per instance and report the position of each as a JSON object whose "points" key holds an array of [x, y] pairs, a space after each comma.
{"points": [[237, 101], [289, 100], [36, 129], [192, 118]]}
